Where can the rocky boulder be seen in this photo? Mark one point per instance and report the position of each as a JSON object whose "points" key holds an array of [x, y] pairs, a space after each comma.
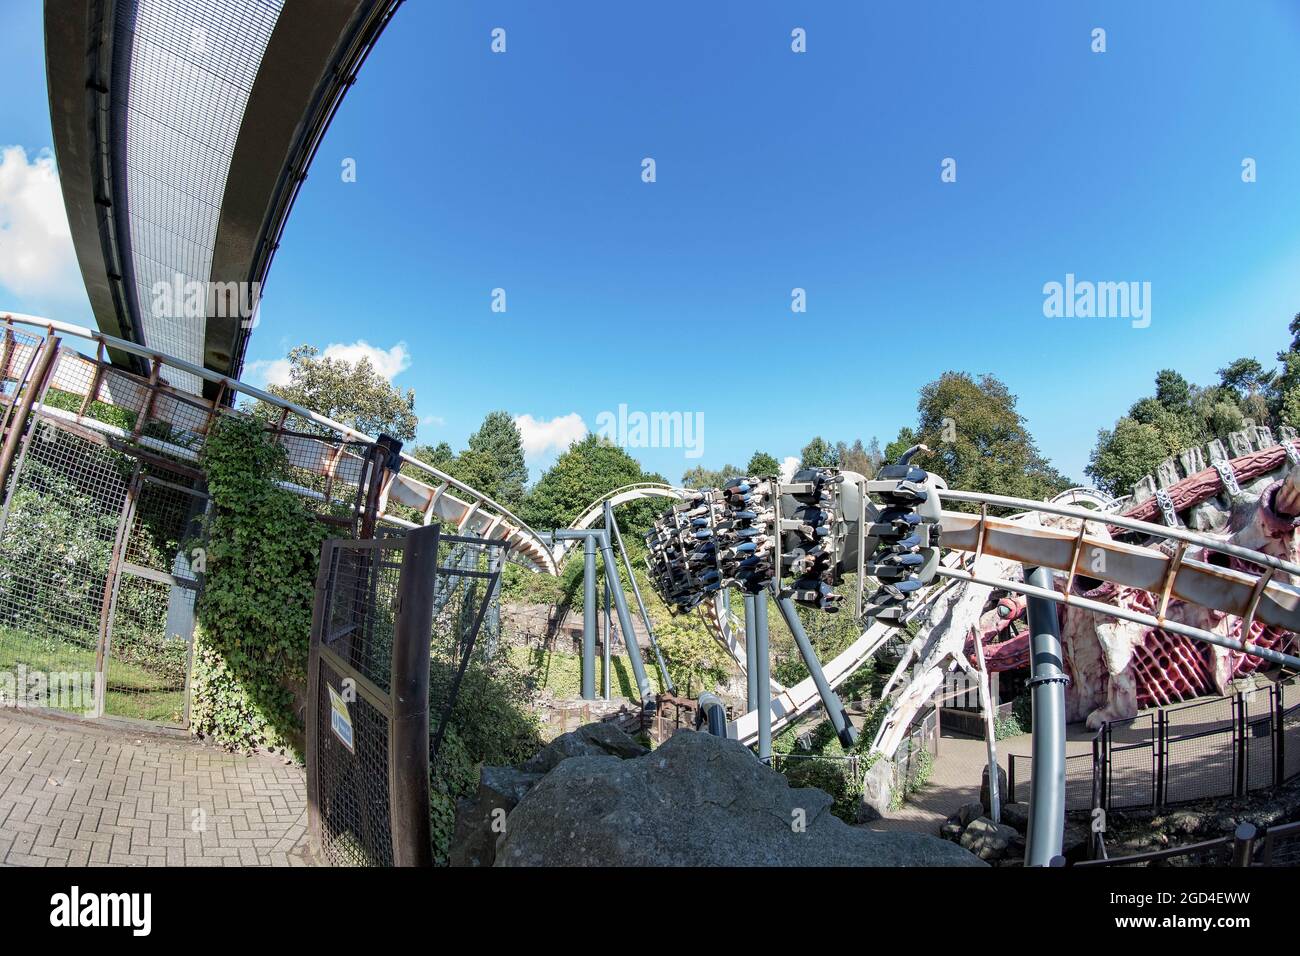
{"points": [[698, 800], [992, 841], [592, 740], [877, 791], [480, 819]]}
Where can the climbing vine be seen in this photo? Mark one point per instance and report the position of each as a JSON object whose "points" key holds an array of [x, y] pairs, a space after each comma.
{"points": [[254, 616]]}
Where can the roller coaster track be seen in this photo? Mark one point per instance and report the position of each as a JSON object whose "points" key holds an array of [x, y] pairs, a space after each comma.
{"points": [[440, 497]]}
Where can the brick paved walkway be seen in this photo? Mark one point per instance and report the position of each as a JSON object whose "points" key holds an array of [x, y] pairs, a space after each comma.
{"points": [[73, 793]]}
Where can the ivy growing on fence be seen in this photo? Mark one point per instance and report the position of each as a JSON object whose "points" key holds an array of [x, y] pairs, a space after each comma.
{"points": [[254, 615]]}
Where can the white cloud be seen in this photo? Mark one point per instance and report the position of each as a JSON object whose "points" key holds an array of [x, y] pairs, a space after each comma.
{"points": [[540, 436], [36, 254], [789, 465], [435, 421], [266, 372], [387, 362]]}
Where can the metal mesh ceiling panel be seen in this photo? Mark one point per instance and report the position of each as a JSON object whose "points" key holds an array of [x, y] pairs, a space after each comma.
{"points": [[184, 72]]}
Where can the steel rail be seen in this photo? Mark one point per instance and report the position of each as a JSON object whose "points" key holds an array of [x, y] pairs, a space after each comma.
{"points": [[1136, 617], [1120, 521], [543, 559]]}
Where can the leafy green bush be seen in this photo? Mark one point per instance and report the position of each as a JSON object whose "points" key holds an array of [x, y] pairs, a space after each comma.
{"points": [[254, 616], [490, 724]]}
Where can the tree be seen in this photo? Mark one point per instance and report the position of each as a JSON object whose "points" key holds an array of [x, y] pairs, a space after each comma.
{"points": [[977, 439], [864, 460], [818, 453], [761, 463], [440, 456], [493, 461], [586, 470], [1124, 455], [1172, 390], [352, 394], [701, 477]]}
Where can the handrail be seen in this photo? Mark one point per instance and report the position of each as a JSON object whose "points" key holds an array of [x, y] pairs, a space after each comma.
{"points": [[234, 384]]}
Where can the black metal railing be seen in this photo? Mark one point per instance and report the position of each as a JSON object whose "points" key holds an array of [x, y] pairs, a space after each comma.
{"points": [[1206, 749]]}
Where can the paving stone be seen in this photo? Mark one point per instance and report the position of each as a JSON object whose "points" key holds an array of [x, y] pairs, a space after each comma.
{"points": [[76, 793]]}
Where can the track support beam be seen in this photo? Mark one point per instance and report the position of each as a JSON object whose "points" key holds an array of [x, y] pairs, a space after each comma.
{"points": [[846, 732], [1047, 681]]}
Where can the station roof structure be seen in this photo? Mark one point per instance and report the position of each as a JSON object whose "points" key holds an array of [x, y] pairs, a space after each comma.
{"points": [[183, 130]]}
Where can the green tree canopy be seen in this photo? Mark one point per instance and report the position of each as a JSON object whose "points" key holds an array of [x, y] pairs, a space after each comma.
{"points": [[701, 477], [353, 394], [761, 463], [586, 470], [493, 460], [865, 460], [818, 453], [977, 439]]}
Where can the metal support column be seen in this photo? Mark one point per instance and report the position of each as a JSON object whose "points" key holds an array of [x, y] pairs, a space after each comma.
{"points": [[625, 621], [847, 733], [1047, 693], [751, 680], [607, 633], [763, 678], [611, 527], [590, 614]]}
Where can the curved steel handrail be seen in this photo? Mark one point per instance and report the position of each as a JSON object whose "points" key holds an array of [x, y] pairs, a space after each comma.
{"points": [[537, 551]]}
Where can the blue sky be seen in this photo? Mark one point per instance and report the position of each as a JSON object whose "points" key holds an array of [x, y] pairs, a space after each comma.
{"points": [[778, 170]]}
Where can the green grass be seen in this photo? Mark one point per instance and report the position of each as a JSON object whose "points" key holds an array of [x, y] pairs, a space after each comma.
{"points": [[561, 673], [132, 691]]}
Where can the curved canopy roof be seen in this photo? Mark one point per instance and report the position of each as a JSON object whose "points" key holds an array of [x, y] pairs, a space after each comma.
{"points": [[183, 129]]}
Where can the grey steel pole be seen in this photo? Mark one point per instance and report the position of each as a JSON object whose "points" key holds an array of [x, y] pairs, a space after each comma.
{"points": [[751, 679], [847, 733], [1047, 693], [625, 620], [612, 526], [763, 679], [590, 614], [607, 634]]}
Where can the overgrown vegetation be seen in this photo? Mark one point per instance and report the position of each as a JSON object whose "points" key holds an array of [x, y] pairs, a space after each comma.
{"points": [[490, 724], [254, 615]]}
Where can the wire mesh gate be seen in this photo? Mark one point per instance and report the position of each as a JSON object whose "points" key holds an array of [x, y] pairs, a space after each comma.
{"points": [[96, 586], [396, 621]]}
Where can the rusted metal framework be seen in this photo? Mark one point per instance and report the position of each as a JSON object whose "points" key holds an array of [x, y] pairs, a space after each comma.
{"points": [[103, 496]]}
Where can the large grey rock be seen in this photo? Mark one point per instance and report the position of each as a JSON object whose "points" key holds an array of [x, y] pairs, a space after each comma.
{"points": [[480, 819], [991, 841], [1016, 816], [594, 740], [986, 800], [698, 800], [877, 791]]}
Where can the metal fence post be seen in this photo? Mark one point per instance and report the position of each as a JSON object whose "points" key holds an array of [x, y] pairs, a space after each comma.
{"points": [[1243, 844], [35, 388], [412, 844], [1162, 755], [1239, 745], [1279, 738]]}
